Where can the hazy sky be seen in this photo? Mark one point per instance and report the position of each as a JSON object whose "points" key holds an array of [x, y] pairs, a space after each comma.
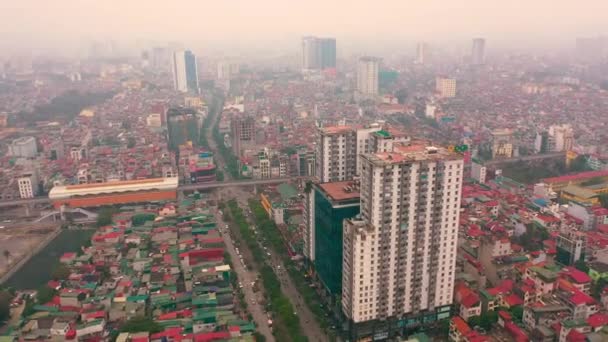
{"points": [[42, 24]]}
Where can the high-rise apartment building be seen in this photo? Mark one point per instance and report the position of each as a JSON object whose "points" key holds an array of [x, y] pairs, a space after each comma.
{"points": [[399, 255], [243, 133], [561, 137], [318, 53], [422, 53], [336, 153], [185, 71], [445, 87], [28, 185], [226, 70], [367, 76], [478, 51]]}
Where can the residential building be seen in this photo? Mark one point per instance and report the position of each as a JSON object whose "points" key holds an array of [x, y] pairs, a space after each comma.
{"points": [[478, 51], [329, 204], [561, 137], [185, 71], [445, 87], [28, 185], [478, 172], [364, 141], [24, 147], [367, 76], [336, 155], [502, 143], [571, 246], [243, 133], [226, 70], [400, 253]]}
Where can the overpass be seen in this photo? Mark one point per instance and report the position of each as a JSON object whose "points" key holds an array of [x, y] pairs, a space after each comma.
{"points": [[552, 155], [189, 187]]}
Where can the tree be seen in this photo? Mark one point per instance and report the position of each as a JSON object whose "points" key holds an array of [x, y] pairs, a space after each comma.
{"points": [[598, 287], [61, 272], [140, 219], [517, 313], [104, 218], [131, 142], [579, 164], [7, 256], [5, 305], [141, 324], [581, 266], [259, 337], [45, 294], [604, 200]]}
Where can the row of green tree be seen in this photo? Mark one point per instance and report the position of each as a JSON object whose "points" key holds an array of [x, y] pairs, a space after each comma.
{"points": [[271, 233], [287, 323]]}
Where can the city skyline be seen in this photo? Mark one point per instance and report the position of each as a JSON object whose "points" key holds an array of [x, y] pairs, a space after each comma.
{"points": [[71, 25]]}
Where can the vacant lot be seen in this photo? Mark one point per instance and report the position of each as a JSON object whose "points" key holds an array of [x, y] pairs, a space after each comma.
{"points": [[37, 270], [18, 241]]}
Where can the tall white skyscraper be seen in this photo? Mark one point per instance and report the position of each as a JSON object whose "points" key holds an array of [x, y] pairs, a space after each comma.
{"points": [[478, 51], [367, 76], [185, 71], [399, 255], [422, 53]]}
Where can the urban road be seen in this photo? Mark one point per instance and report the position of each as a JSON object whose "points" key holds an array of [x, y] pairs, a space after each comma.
{"points": [[189, 187]]}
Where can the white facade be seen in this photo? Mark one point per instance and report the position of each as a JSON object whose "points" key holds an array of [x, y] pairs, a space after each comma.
{"points": [[185, 71], [478, 52], [23, 147], [336, 152], [311, 57], [309, 231], [28, 186], [562, 137], [478, 172], [363, 142], [180, 81], [226, 70], [422, 51], [399, 257], [367, 76], [445, 87]]}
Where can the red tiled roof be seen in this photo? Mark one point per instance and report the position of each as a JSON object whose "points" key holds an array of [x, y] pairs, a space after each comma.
{"points": [[513, 300], [548, 218], [460, 325], [581, 298], [471, 300], [597, 320], [575, 336], [577, 276]]}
